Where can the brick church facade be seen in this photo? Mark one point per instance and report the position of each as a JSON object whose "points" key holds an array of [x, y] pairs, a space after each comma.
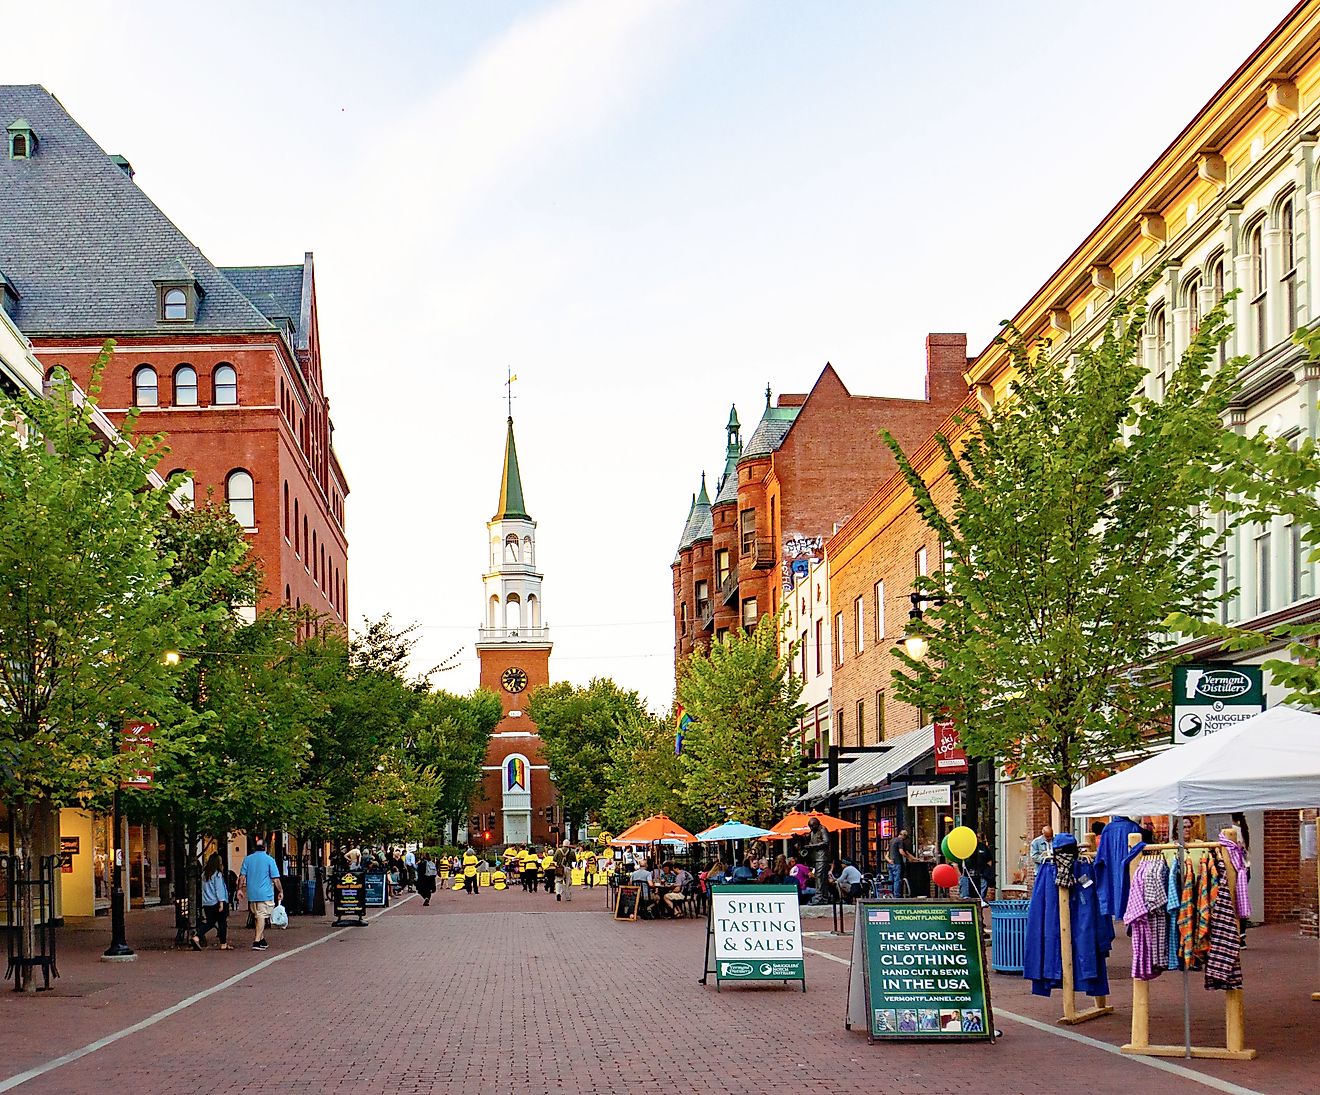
{"points": [[516, 802]]}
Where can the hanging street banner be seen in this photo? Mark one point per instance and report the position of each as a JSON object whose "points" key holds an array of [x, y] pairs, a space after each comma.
{"points": [[1209, 697], [754, 933], [136, 739], [949, 755], [918, 972]]}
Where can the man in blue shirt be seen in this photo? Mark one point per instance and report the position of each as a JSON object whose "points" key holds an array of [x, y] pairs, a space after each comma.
{"points": [[261, 878]]}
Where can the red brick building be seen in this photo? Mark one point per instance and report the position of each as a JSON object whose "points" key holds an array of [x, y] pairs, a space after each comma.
{"points": [[225, 362], [517, 799], [810, 463]]}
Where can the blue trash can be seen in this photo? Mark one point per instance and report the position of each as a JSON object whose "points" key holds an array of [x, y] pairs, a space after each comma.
{"points": [[309, 895], [1008, 935]]}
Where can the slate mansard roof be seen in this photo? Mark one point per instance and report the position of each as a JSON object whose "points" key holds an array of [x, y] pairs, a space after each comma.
{"points": [[83, 245]]}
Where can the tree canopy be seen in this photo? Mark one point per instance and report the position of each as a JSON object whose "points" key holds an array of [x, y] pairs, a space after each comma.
{"points": [[1076, 527], [741, 756]]}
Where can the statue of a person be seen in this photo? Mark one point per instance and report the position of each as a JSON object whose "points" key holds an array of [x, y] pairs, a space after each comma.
{"points": [[818, 851]]}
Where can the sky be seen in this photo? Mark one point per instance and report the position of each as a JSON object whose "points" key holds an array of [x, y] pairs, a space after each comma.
{"points": [[647, 209]]}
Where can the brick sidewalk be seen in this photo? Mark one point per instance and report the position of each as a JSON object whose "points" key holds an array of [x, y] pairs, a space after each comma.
{"points": [[516, 992]]}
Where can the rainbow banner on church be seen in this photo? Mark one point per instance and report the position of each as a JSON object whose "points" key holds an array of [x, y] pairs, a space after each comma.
{"points": [[515, 774]]}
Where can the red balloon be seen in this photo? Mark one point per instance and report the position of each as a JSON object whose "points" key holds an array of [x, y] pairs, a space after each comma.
{"points": [[945, 876]]}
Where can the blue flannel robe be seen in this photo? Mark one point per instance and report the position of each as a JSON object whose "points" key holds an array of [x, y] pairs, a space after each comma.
{"points": [[1092, 932], [1111, 854]]}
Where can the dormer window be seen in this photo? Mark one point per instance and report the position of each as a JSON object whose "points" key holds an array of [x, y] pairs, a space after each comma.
{"points": [[175, 304], [22, 141], [177, 293]]}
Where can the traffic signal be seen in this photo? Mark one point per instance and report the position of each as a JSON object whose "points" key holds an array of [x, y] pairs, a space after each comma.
{"points": [[549, 815], [486, 835], [474, 823]]}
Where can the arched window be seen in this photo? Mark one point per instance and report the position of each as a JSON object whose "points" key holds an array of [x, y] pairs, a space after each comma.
{"points": [[225, 380], [1217, 291], [1192, 302], [145, 391], [527, 551], [1158, 329], [323, 566], [493, 613], [183, 493], [297, 542], [533, 610], [306, 542], [185, 386], [239, 495], [19, 147], [286, 509], [1288, 264], [1256, 287], [511, 548], [313, 556], [176, 304], [513, 612]]}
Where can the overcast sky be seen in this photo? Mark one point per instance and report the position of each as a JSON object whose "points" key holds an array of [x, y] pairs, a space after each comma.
{"points": [[648, 209]]}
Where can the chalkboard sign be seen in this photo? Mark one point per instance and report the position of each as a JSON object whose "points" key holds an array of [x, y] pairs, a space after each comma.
{"points": [[375, 888], [628, 903], [350, 897], [918, 972]]}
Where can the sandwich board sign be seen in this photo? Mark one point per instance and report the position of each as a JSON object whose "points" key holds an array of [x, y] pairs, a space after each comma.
{"points": [[1209, 697], [918, 972], [754, 933]]}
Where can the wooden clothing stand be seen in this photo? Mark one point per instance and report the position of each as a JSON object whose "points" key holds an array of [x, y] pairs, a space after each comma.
{"points": [[1235, 1031], [1071, 1016]]}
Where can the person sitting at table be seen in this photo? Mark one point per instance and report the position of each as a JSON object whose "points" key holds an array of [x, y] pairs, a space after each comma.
{"points": [[744, 872], [801, 874], [846, 880], [679, 893], [712, 875], [641, 878]]}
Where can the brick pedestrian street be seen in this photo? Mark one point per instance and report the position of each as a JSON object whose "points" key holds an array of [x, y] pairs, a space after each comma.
{"points": [[515, 993]]}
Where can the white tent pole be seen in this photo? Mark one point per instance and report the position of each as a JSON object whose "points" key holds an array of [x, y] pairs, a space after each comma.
{"points": [[1187, 973]]}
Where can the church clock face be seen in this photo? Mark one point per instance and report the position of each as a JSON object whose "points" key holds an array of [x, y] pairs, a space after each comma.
{"points": [[514, 680]]}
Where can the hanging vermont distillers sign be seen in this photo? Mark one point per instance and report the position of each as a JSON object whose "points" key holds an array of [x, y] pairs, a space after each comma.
{"points": [[754, 933], [1209, 697]]}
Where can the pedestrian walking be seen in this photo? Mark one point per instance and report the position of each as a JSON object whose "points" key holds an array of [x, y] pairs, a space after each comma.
{"points": [[260, 877], [567, 863], [470, 871], [409, 869], [548, 870], [215, 905], [426, 876]]}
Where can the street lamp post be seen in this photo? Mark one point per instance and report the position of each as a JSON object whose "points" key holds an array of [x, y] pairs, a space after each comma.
{"points": [[917, 646], [119, 950]]}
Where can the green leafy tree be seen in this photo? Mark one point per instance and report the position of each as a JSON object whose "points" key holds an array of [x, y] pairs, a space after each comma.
{"points": [[237, 760], [741, 757], [366, 701], [1076, 527], [645, 774], [578, 728], [452, 735], [88, 605]]}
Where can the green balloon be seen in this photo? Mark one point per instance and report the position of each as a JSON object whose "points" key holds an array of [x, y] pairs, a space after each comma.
{"points": [[948, 855]]}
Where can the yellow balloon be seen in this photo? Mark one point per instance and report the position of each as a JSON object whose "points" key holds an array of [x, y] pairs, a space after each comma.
{"points": [[962, 841]]}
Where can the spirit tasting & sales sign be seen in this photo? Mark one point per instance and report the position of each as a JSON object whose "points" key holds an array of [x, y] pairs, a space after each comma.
{"points": [[754, 933]]}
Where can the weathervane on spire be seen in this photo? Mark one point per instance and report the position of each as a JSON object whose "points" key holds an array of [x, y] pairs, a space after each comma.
{"points": [[508, 389]]}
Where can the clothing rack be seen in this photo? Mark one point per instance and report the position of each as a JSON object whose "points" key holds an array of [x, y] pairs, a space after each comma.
{"points": [[1071, 1016], [1234, 1047]]}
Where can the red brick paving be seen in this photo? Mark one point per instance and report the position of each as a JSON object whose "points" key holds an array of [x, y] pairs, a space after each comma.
{"points": [[513, 992]]}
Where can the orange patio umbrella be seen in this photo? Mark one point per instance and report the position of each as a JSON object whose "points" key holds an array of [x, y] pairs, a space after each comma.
{"points": [[799, 824], [655, 828]]}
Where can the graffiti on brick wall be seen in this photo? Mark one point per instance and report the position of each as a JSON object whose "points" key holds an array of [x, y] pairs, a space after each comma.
{"points": [[798, 546]]}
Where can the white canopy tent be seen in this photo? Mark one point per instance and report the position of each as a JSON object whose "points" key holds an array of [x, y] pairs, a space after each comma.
{"points": [[1268, 762]]}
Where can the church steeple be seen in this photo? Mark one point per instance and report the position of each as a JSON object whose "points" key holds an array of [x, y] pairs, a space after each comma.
{"points": [[511, 504]]}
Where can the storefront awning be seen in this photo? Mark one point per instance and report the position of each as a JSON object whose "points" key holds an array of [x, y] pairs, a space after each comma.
{"points": [[872, 769]]}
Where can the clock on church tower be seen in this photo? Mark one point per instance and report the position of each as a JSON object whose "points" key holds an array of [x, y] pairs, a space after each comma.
{"points": [[514, 650]]}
